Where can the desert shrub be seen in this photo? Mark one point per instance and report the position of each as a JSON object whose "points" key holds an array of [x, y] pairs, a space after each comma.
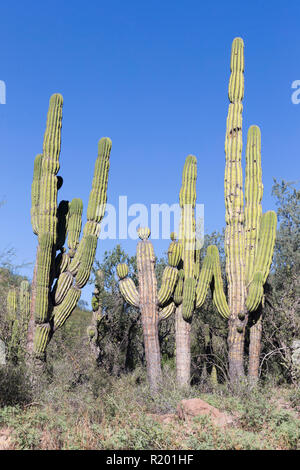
{"points": [[15, 386]]}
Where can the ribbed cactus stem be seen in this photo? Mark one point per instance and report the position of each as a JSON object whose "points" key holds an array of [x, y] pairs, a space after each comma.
{"points": [[187, 233], [233, 191], [50, 165], [218, 292], [74, 224], [35, 192], [127, 286], [204, 280], [168, 310], [12, 304], [249, 235], [253, 197]]}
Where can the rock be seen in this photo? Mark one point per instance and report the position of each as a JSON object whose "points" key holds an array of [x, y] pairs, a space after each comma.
{"points": [[5, 441], [188, 409], [164, 419]]}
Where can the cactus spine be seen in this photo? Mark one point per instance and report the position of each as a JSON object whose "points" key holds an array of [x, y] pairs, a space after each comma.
{"points": [[249, 236], [51, 306], [154, 305]]}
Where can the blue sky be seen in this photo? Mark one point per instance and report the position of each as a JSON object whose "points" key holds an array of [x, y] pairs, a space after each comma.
{"points": [[152, 76]]}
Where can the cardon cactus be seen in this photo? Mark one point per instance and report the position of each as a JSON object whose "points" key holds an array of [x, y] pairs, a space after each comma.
{"points": [[193, 283], [249, 236], [154, 305], [60, 274], [18, 314]]}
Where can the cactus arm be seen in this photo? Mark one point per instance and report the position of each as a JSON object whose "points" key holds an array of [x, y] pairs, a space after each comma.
{"points": [[168, 283], [179, 288], [263, 259], [98, 194], [47, 219], [187, 200], [266, 242], [127, 286], [253, 197], [87, 260], [204, 280], [170, 273], [35, 192], [167, 311], [233, 182], [219, 298], [62, 311], [44, 261], [255, 293], [74, 224]]}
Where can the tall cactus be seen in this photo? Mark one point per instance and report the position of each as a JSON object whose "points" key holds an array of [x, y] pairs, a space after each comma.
{"points": [[193, 283], [68, 270], [249, 236], [154, 305]]}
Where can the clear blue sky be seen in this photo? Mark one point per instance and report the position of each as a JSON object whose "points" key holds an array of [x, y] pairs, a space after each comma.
{"points": [[152, 76]]}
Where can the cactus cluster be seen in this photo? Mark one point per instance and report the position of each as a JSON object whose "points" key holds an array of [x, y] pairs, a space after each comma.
{"points": [[249, 236], [60, 274]]}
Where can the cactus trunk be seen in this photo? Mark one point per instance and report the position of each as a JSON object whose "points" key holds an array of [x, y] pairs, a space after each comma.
{"points": [[149, 311], [233, 192], [254, 350], [249, 235], [183, 349]]}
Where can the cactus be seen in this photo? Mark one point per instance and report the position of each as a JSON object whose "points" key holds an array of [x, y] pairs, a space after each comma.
{"points": [[154, 305], [249, 236], [193, 283], [18, 310], [68, 270], [97, 316]]}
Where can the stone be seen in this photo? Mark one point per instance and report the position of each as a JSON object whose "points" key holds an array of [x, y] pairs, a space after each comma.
{"points": [[188, 409]]}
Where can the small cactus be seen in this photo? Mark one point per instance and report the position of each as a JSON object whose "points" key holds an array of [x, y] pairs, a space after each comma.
{"points": [[18, 314]]}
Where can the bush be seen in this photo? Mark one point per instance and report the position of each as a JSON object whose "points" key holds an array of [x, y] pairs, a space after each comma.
{"points": [[15, 388]]}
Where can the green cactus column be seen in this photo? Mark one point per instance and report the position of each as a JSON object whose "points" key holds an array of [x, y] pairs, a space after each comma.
{"points": [[193, 283], [60, 274], [234, 203], [249, 236], [187, 238]]}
